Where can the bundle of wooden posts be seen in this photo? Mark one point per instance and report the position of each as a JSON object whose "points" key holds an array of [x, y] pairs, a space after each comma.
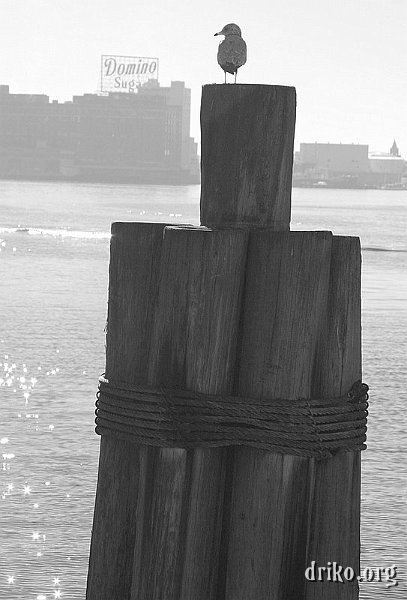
{"points": [[240, 306]]}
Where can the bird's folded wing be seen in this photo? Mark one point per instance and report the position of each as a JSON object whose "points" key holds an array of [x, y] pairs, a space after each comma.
{"points": [[232, 51]]}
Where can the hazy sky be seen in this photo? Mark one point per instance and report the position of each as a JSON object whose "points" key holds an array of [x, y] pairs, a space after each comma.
{"points": [[347, 58]]}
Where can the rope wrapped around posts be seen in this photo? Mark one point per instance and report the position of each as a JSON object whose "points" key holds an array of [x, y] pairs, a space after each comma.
{"points": [[173, 418]]}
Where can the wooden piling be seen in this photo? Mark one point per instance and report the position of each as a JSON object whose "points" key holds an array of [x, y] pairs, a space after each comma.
{"points": [[193, 347], [247, 155], [244, 307], [135, 254], [335, 508], [285, 298]]}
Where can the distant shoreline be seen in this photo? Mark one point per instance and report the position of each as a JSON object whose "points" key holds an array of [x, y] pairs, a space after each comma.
{"points": [[153, 179]]}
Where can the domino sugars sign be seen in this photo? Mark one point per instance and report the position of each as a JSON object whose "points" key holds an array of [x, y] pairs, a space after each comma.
{"points": [[126, 73]]}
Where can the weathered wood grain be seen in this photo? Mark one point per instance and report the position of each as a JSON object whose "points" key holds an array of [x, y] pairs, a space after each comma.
{"points": [[335, 510], [287, 282], [193, 346], [135, 253], [247, 155]]}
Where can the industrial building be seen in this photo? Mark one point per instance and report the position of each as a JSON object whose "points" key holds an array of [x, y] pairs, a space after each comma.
{"points": [[347, 165], [140, 137]]}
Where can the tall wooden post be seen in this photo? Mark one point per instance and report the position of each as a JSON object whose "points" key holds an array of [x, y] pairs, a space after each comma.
{"points": [[241, 306], [247, 155]]}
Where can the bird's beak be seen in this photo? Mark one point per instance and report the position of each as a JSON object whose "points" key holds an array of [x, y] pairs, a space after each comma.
{"points": [[216, 34]]}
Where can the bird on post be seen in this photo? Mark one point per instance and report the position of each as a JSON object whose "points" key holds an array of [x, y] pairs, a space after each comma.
{"points": [[232, 52]]}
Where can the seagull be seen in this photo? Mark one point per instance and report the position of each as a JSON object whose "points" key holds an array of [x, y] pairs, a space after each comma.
{"points": [[232, 52]]}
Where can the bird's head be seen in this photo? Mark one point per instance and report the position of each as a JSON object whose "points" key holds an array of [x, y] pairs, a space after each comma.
{"points": [[230, 29]]}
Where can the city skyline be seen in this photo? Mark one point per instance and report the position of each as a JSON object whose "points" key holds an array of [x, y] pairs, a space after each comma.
{"points": [[344, 60]]}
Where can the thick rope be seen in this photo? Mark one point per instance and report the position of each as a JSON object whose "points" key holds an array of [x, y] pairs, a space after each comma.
{"points": [[172, 418]]}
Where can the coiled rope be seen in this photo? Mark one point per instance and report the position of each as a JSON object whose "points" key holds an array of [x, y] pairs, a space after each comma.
{"points": [[173, 418]]}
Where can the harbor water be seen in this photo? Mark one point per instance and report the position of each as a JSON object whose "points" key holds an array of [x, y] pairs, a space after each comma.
{"points": [[54, 242]]}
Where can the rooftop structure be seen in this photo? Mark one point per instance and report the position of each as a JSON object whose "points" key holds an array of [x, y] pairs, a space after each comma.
{"points": [[394, 151]]}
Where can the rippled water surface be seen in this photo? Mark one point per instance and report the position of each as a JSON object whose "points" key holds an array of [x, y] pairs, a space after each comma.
{"points": [[54, 242]]}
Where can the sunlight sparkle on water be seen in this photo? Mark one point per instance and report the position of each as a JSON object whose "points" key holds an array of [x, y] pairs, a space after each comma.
{"points": [[11, 579], [27, 490], [8, 456]]}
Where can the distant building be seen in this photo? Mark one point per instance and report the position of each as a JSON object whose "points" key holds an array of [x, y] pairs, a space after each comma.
{"points": [[134, 137], [392, 166], [335, 159], [388, 167], [347, 165]]}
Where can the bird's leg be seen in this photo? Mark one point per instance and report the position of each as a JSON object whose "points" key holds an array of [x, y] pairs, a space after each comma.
{"points": [[225, 76], [235, 75]]}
